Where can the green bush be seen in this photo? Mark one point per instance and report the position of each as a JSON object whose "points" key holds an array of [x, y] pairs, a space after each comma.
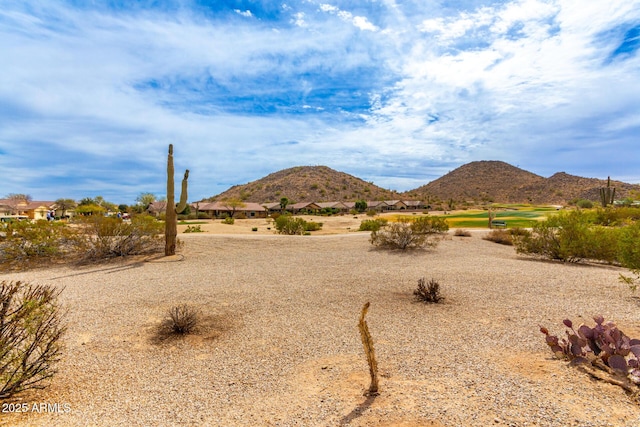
{"points": [[561, 237], [312, 226], [429, 225], [616, 216], [286, 224], [101, 237], [25, 244], [31, 326], [193, 229], [584, 204], [629, 246], [228, 220], [372, 224], [571, 237], [409, 233]]}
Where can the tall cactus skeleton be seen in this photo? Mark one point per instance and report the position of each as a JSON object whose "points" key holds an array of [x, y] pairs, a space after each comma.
{"points": [[171, 219], [607, 194], [367, 342]]}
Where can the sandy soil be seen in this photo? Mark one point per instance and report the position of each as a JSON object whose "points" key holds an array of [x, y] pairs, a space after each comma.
{"points": [[278, 343]]}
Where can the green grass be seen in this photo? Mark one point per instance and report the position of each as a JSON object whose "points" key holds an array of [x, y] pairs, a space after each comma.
{"points": [[516, 216]]}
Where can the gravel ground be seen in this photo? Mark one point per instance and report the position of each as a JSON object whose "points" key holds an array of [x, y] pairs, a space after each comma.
{"points": [[278, 343]]}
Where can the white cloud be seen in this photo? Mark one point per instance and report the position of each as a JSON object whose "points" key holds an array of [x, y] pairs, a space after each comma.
{"points": [[298, 19], [359, 21], [246, 13], [520, 82]]}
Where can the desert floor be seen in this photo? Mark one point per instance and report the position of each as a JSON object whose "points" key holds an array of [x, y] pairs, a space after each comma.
{"points": [[278, 343]]}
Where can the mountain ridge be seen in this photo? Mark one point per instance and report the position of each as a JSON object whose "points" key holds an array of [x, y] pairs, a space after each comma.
{"points": [[474, 183]]}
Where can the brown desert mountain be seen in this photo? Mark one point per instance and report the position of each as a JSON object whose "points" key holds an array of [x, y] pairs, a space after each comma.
{"points": [[478, 182], [307, 184]]}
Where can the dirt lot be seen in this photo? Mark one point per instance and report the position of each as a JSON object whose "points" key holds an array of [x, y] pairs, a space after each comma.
{"points": [[278, 342]]}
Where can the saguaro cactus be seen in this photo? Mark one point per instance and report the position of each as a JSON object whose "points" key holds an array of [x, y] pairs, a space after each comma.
{"points": [[607, 194], [171, 219], [367, 342]]}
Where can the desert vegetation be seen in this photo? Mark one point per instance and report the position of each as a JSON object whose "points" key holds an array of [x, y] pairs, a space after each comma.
{"points": [[577, 235], [372, 224], [603, 351], [31, 327], [287, 224], [181, 320], [459, 232], [428, 292], [172, 210], [87, 239], [367, 343], [410, 233]]}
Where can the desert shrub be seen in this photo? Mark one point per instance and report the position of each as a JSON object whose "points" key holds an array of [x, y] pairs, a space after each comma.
{"points": [[371, 212], [254, 228], [518, 231], [502, 237], [360, 206], [409, 233], [629, 254], [27, 243], [570, 237], [312, 226], [181, 319], [603, 351], [275, 215], [429, 225], [193, 229], [31, 327], [561, 237], [228, 220], [462, 233], [428, 292], [101, 237], [372, 224], [584, 204], [286, 224], [611, 216], [203, 215]]}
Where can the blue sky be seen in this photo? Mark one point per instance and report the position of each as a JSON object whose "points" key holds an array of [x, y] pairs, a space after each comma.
{"points": [[394, 92]]}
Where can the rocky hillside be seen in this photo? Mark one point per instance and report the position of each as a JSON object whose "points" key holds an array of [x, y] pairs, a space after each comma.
{"points": [[495, 181], [307, 184], [473, 183]]}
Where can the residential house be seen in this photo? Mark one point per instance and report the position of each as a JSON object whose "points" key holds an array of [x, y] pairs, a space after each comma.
{"points": [[33, 209], [220, 209], [272, 207], [308, 207], [377, 205], [5, 207], [157, 208], [395, 205], [416, 205], [338, 206]]}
